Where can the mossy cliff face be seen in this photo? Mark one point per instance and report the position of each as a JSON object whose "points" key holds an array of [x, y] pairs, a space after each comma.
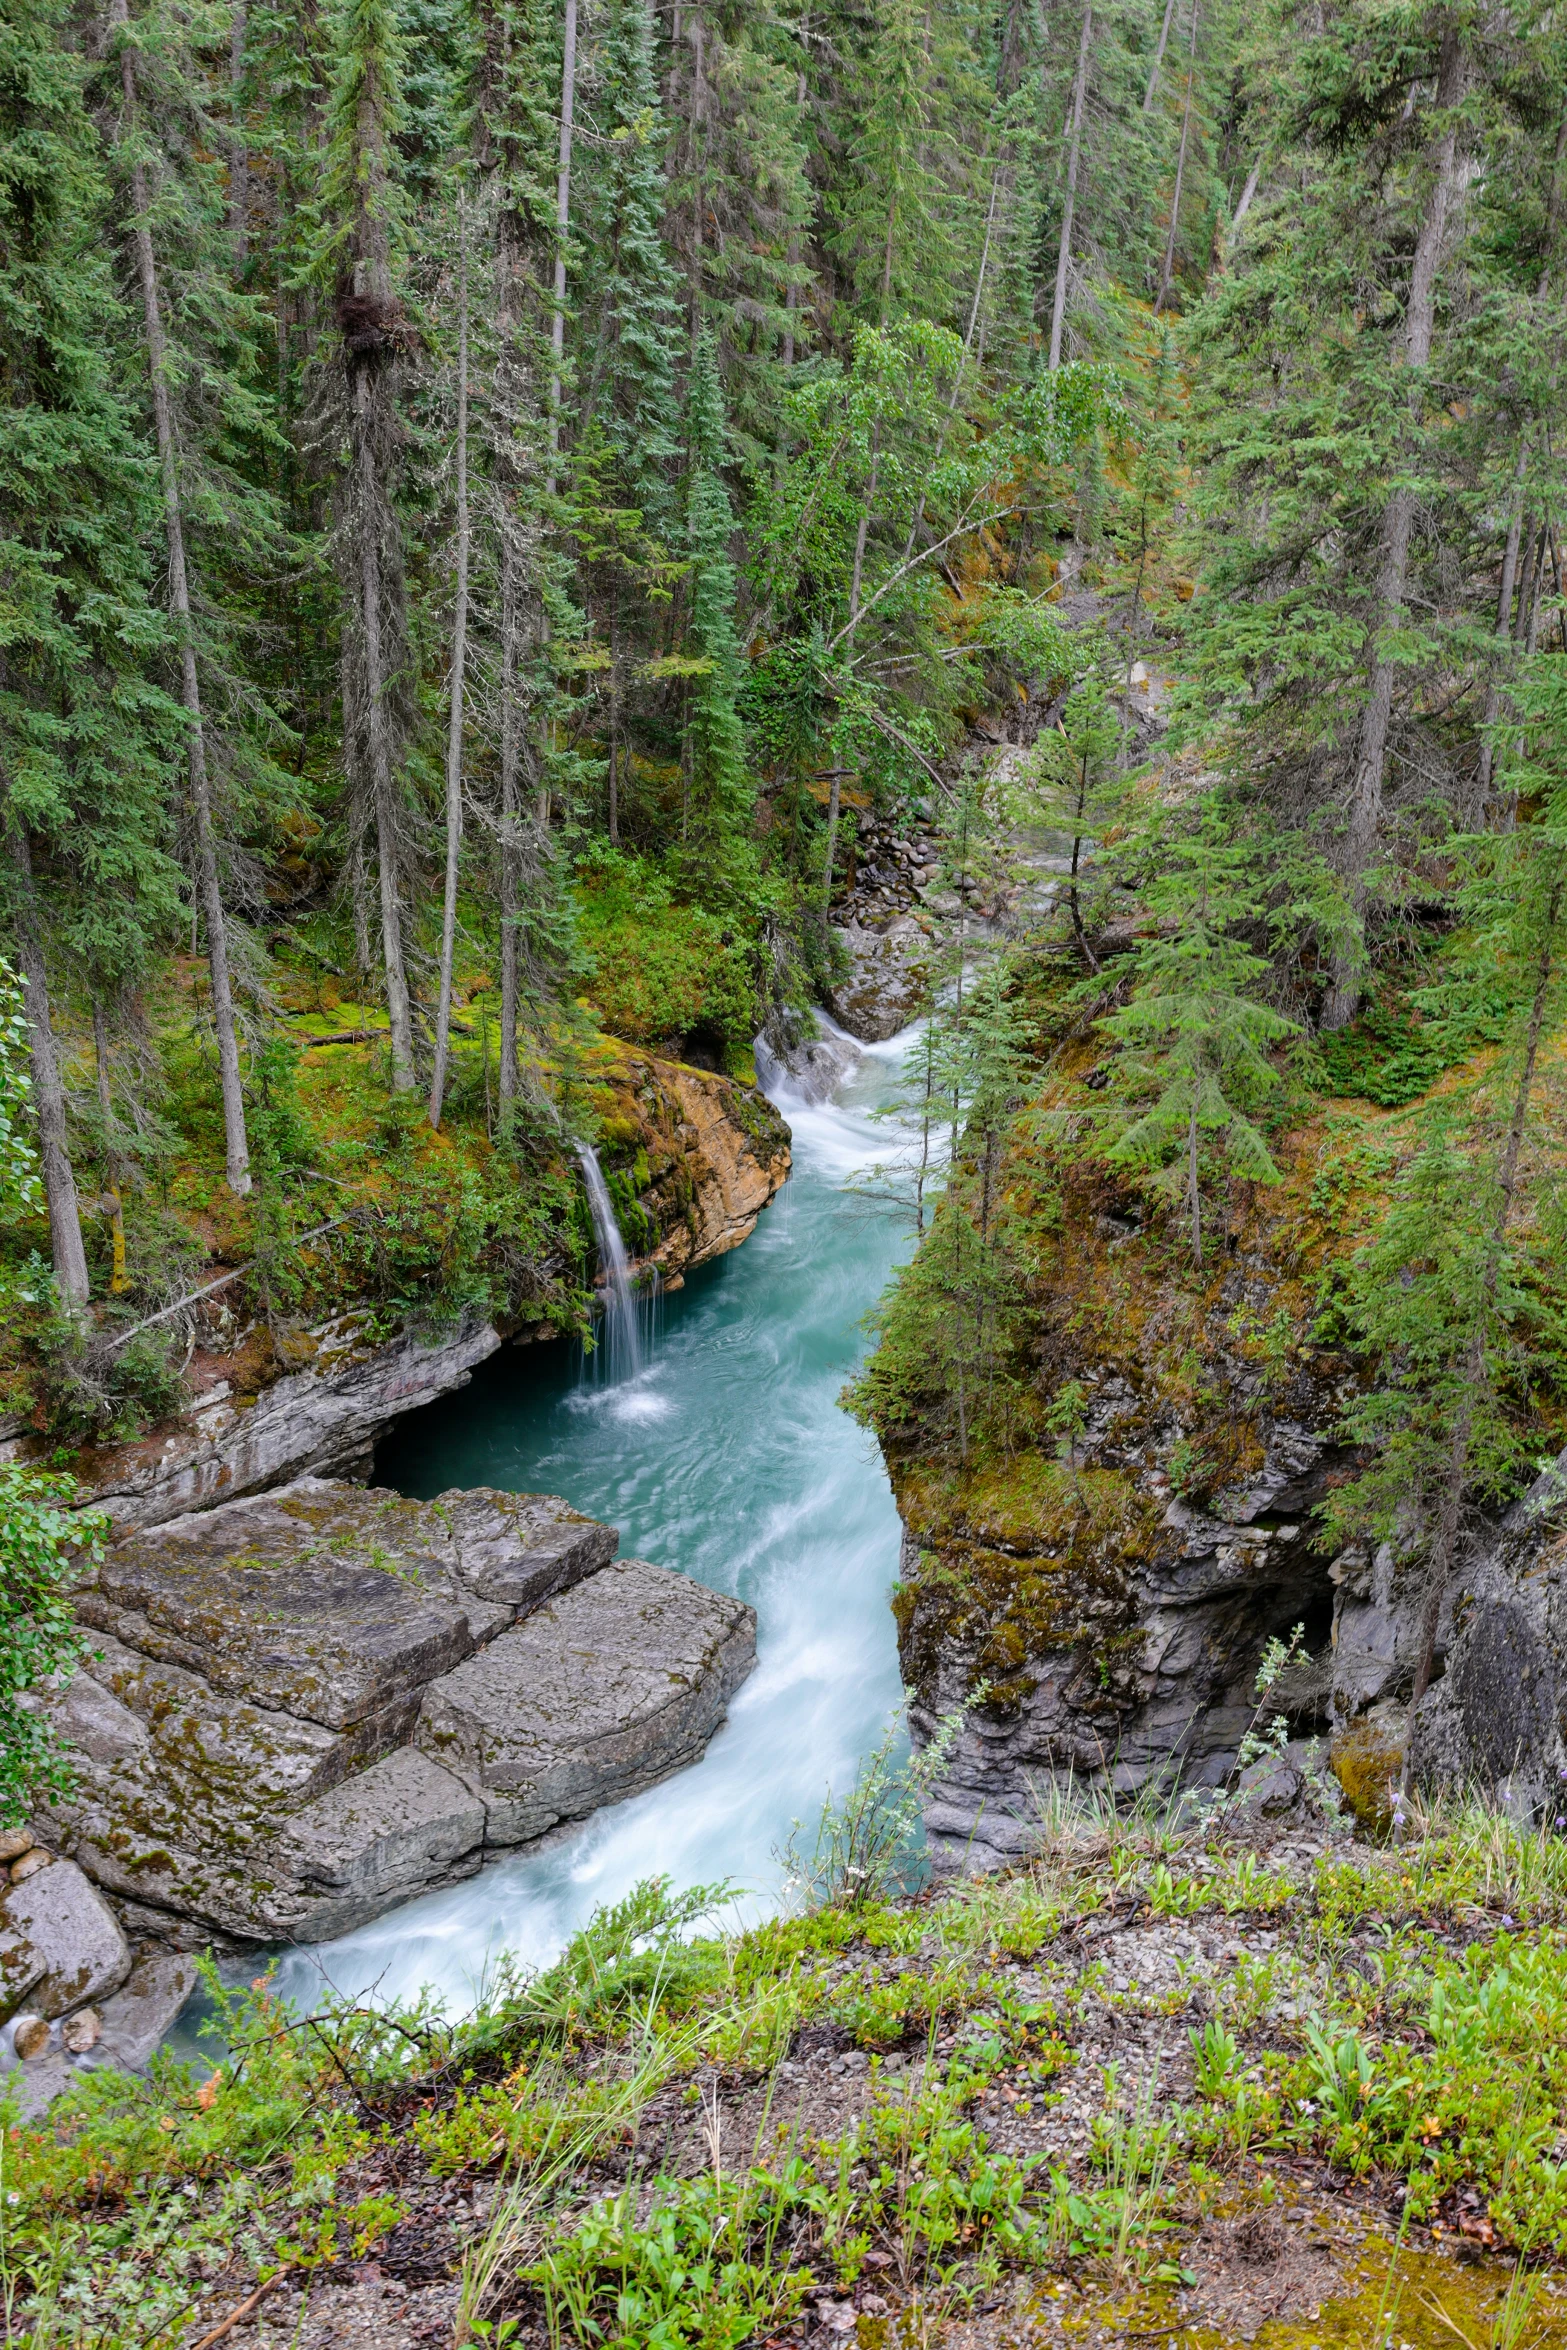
{"points": [[691, 1157], [1114, 1588]]}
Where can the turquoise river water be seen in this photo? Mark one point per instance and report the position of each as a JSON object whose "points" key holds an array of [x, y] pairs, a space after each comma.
{"points": [[729, 1458]]}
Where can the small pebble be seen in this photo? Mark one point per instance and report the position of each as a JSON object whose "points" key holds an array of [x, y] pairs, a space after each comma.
{"points": [[14, 1842], [30, 1864], [29, 2037], [80, 2031]]}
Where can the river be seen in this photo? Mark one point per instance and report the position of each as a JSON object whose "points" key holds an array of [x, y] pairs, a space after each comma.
{"points": [[729, 1458]]}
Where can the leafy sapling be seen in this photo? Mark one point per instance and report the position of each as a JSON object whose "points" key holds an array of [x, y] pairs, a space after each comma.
{"points": [[45, 1545]]}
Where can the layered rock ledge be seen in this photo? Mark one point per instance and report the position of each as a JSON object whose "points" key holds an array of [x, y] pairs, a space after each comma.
{"points": [[307, 1707]]}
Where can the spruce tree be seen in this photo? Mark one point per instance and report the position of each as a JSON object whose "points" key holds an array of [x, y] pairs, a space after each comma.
{"points": [[87, 735], [360, 256], [1191, 1067], [132, 156]]}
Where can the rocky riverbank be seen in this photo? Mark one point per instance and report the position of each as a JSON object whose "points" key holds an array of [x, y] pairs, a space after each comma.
{"points": [[1114, 1587], [304, 1708]]}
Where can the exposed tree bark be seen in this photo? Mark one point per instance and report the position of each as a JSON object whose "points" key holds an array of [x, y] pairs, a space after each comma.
{"points": [[1248, 195], [1167, 273], [510, 876], [65, 1222], [1074, 145], [239, 153], [1158, 56], [208, 886], [1366, 785], [459, 665], [568, 95]]}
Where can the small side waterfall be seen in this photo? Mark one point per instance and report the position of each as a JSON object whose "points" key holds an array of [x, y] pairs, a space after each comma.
{"points": [[622, 1339]]}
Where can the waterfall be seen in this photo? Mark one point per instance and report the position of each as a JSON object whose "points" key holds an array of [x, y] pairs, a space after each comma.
{"points": [[622, 1339]]}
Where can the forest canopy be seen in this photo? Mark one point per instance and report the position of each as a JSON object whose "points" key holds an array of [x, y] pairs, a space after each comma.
{"points": [[493, 491]]}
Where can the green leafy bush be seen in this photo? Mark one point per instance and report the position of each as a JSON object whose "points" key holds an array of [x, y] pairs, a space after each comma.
{"points": [[44, 1546]]}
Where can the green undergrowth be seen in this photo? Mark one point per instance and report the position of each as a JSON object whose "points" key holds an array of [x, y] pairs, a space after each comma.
{"points": [[631, 2120]]}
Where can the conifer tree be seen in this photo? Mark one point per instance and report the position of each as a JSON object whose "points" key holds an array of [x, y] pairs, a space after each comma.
{"points": [[87, 736], [1192, 1069], [713, 854], [630, 299], [361, 252], [130, 142], [1456, 1294]]}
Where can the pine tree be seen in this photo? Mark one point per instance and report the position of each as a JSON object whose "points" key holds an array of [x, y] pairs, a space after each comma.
{"points": [[629, 301], [1192, 1067], [87, 736], [132, 157], [1456, 1295], [360, 252], [714, 854]]}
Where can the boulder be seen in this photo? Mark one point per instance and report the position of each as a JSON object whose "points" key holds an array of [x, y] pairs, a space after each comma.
{"points": [[322, 1419], [268, 1723], [60, 1943], [1498, 1715], [888, 982], [395, 1829], [139, 2017], [605, 1691]]}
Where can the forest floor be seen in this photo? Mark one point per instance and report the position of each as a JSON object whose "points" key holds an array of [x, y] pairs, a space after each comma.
{"points": [[1198, 2089]]}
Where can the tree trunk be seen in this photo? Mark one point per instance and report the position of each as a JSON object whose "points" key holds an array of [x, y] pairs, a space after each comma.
{"points": [[832, 844], [377, 727], [1504, 615], [1167, 274], [510, 818], [1365, 799], [568, 94], [459, 661], [65, 1222], [239, 156], [1248, 192], [1536, 589], [209, 890], [1158, 56], [1191, 1177], [119, 1280], [1444, 1539], [1064, 255]]}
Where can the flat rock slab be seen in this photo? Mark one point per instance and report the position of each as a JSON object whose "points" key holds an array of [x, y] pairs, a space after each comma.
{"points": [[397, 1829], [300, 1710], [299, 1602], [60, 1943], [604, 1691]]}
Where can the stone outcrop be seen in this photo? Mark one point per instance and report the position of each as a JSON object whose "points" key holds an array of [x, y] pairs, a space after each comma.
{"points": [[690, 1157], [694, 1158], [1134, 1663], [888, 983], [305, 1707], [60, 1943], [1498, 1715], [713, 1166], [122, 2032], [1115, 1586], [320, 1419]]}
